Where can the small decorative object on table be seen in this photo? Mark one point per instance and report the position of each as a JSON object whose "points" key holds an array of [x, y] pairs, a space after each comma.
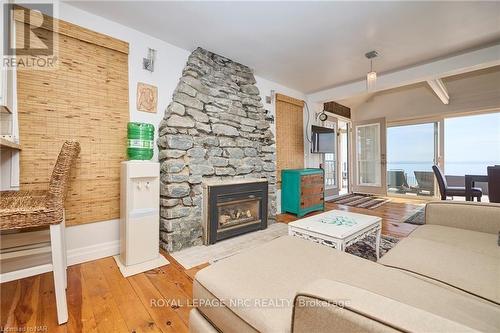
{"points": [[339, 220]]}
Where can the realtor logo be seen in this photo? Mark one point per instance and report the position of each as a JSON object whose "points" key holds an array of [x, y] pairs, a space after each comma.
{"points": [[29, 37]]}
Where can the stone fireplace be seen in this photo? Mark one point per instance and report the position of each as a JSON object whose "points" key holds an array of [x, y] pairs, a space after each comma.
{"points": [[213, 130], [233, 207]]}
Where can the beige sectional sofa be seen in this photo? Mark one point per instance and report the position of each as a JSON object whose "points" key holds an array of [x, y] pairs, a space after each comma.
{"points": [[444, 277]]}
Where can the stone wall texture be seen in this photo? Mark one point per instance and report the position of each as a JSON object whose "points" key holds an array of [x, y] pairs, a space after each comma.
{"points": [[214, 127]]}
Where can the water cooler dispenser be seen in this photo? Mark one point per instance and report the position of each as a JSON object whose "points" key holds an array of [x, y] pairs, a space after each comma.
{"points": [[140, 218]]}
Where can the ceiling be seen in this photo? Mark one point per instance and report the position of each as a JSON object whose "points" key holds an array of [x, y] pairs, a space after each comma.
{"points": [[310, 46], [455, 85]]}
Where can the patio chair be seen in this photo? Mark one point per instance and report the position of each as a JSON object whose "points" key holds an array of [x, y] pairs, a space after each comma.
{"points": [[396, 179], [425, 182], [455, 191], [30, 209], [494, 183]]}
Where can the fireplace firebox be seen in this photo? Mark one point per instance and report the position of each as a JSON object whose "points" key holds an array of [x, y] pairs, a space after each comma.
{"points": [[233, 208]]}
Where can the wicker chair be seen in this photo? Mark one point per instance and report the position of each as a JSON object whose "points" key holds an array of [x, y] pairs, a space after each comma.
{"points": [[27, 209]]}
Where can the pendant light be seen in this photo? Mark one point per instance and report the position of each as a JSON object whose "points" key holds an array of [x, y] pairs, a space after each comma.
{"points": [[371, 76]]}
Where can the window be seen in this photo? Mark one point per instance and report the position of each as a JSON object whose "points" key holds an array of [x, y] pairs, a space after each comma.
{"points": [[411, 153], [471, 144]]}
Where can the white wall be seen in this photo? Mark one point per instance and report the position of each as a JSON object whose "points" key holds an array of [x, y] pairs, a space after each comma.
{"points": [[265, 87], [312, 160], [471, 92], [95, 240], [91, 241], [168, 67]]}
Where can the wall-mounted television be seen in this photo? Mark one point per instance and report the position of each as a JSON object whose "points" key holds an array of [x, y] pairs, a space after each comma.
{"points": [[322, 140]]}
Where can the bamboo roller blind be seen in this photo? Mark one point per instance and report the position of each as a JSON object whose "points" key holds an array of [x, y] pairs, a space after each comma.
{"points": [[289, 134], [85, 98]]}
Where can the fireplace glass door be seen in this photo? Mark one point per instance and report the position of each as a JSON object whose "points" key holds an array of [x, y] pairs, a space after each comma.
{"points": [[235, 209], [236, 213]]}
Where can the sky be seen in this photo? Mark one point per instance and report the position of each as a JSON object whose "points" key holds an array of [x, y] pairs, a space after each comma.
{"points": [[412, 143], [473, 138], [471, 144]]}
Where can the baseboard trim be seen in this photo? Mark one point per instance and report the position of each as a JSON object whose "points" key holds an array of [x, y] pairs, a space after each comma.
{"points": [[23, 273], [75, 256], [93, 252]]}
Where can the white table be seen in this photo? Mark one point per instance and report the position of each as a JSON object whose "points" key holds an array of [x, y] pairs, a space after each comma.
{"points": [[337, 229]]}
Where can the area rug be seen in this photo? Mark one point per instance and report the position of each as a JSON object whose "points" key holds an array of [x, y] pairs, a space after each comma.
{"points": [[360, 201], [365, 248], [198, 255], [417, 218]]}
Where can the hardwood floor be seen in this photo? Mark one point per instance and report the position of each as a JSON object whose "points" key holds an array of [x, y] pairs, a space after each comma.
{"points": [[392, 214], [101, 300]]}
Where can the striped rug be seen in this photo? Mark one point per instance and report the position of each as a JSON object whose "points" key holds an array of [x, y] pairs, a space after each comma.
{"points": [[360, 200]]}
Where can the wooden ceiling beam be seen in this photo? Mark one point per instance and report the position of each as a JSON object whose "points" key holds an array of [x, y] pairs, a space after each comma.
{"points": [[440, 90]]}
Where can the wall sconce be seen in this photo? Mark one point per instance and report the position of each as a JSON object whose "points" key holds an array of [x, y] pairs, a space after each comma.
{"points": [[149, 62], [269, 99]]}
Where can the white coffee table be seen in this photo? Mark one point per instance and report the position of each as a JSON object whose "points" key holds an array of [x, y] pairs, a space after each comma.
{"points": [[337, 229]]}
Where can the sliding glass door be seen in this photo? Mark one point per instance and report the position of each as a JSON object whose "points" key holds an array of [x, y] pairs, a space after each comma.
{"points": [[411, 153], [471, 144]]}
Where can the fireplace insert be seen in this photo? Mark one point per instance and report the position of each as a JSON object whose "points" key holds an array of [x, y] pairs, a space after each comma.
{"points": [[234, 208]]}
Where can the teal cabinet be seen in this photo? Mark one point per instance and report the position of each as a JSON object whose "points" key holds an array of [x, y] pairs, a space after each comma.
{"points": [[302, 191]]}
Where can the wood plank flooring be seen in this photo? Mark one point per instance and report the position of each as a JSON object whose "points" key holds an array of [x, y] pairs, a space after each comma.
{"points": [[101, 300], [392, 213]]}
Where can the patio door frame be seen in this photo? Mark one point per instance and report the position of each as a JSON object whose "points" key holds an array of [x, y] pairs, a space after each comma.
{"points": [[334, 191], [438, 150], [441, 119], [376, 189]]}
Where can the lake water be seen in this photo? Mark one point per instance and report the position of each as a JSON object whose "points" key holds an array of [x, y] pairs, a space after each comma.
{"points": [[451, 168]]}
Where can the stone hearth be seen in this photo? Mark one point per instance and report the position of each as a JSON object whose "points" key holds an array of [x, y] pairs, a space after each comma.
{"points": [[214, 127]]}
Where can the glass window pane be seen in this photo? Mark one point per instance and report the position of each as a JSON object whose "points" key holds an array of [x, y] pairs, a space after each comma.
{"points": [[410, 157], [368, 150], [472, 143], [330, 162]]}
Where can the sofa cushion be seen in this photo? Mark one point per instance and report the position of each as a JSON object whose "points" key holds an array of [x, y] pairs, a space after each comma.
{"points": [[479, 242], [331, 306], [220, 315], [474, 216], [199, 324], [464, 259], [269, 276]]}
